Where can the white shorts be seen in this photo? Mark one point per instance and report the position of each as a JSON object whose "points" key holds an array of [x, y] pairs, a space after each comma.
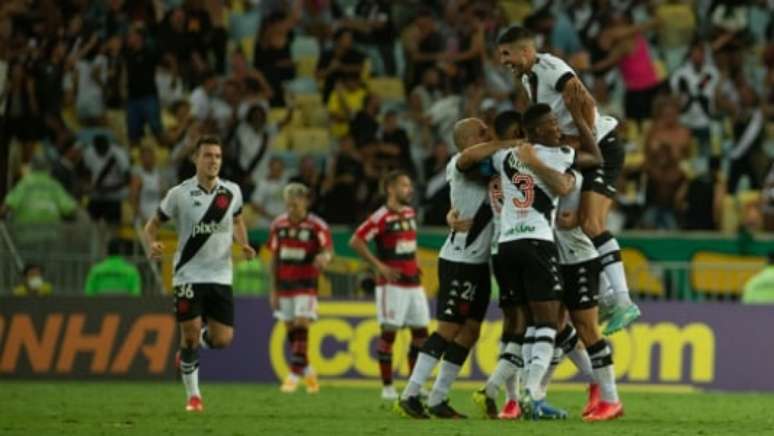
{"points": [[402, 306], [298, 306]]}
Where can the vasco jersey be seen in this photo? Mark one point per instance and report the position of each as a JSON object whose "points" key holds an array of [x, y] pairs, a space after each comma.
{"points": [[573, 245], [496, 203], [294, 247], [469, 197], [528, 203], [205, 230], [395, 233], [545, 83]]}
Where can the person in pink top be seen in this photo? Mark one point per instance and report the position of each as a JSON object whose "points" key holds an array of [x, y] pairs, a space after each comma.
{"points": [[628, 49]]}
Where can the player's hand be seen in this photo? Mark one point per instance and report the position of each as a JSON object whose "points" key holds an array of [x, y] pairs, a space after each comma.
{"points": [[273, 301], [322, 260], [248, 252], [391, 274], [526, 154], [156, 250], [457, 224]]}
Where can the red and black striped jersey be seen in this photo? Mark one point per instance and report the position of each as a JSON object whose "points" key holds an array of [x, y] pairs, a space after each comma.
{"points": [[294, 247], [395, 233]]}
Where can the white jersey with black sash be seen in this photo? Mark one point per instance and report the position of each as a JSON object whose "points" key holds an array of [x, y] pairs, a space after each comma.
{"points": [[470, 197], [205, 228], [545, 82], [529, 205]]}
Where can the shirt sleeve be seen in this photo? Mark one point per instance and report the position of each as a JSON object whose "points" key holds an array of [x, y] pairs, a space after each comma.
{"points": [[555, 72], [324, 237], [238, 201], [368, 230], [168, 206]]}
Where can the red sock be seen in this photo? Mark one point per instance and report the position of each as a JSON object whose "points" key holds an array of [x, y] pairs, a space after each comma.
{"points": [[384, 351], [299, 359]]}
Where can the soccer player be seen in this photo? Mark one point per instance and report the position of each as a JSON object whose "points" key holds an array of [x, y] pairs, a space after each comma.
{"points": [[547, 79], [400, 299], [463, 277], [207, 212], [301, 246]]}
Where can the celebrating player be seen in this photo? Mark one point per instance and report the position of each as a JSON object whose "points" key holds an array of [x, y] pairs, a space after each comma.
{"points": [[400, 299], [463, 277], [206, 211], [547, 79], [301, 246]]}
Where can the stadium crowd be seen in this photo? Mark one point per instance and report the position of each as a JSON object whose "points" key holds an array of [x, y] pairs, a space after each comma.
{"points": [[101, 100]]}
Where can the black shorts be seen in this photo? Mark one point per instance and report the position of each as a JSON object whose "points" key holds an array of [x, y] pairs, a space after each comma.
{"points": [[508, 296], [464, 291], [581, 284], [602, 180], [208, 300], [532, 273], [109, 210]]}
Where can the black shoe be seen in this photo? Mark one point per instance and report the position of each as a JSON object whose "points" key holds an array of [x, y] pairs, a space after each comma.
{"points": [[445, 411], [412, 407]]}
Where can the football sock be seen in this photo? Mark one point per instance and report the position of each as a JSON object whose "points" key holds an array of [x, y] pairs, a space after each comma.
{"points": [[429, 354], [189, 368], [512, 382], [453, 359], [418, 337], [612, 265], [604, 372], [526, 351], [299, 359], [540, 360], [384, 352], [506, 368]]}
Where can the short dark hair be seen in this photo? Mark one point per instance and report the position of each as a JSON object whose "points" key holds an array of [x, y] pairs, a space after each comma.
{"points": [[533, 115], [208, 140], [390, 178], [504, 121], [514, 34], [30, 266]]}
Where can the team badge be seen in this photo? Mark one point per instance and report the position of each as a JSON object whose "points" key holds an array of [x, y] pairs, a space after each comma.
{"points": [[221, 201], [292, 233]]}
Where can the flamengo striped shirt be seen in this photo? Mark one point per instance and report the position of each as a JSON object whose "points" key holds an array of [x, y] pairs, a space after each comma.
{"points": [[395, 234], [294, 247]]}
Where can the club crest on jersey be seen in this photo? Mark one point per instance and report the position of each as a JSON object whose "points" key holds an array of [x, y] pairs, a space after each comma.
{"points": [[208, 228], [222, 201]]}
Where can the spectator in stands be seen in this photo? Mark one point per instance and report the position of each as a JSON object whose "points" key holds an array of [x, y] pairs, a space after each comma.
{"points": [[253, 83], [340, 60], [468, 60], [667, 132], [146, 186], [204, 100], [142, 104], [113, 275], [424, 46], [272, 51], [169, 81], [87, 82], [759, 289], [342, 184], [375, 29], [701, 199], [628, 49], [436, 199], [22, 122], [365, 125], [172, 39], [248, 155], [267, 199], [38, 199], [109, 167], [33, 284], [665, 179], [428, 91], [68, 169], [206, 26], [695, 83], [309, 175], [49, 92], [346, 101], [395, 142]]}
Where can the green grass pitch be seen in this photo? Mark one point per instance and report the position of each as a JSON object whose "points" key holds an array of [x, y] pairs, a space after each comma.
{"points": [[107, 408]]}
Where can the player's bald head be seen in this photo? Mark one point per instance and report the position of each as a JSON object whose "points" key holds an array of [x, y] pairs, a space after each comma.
{"points": [[468, 131]]}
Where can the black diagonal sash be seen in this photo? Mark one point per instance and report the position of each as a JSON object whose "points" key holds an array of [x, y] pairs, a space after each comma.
{"points": [[482, 217], [215, 213], [257, 158], [105, 171]]}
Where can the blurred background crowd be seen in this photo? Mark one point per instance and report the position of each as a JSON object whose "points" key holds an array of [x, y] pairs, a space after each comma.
{"points": [[101, 100]]}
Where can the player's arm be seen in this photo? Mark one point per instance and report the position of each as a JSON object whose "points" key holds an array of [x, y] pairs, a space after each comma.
{"points": [[240, 236], [456, 223], [560, 183], [151, 233], [325, 255], [589, 155], [361, 248], [577, 99], [476, 153]]}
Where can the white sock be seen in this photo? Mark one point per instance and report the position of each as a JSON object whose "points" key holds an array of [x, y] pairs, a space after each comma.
{"points": [[511, 383], [308, 370], [526, 351], [604, 371], [505, 370], [422, 370], [446, 376], [189, 369], [610, 255], [540, 360], [580, 358]]}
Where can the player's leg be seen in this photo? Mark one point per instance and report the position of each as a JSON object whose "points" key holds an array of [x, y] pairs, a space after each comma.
{"points": [[188, 300], [417, 318], [286, 314], [391, 306]]}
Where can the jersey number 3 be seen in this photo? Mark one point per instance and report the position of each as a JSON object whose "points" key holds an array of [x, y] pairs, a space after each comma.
{"points": [[526, 185]]}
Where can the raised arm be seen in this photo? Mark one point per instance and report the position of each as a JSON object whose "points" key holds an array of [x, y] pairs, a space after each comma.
{"points": [[560, 183]]}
